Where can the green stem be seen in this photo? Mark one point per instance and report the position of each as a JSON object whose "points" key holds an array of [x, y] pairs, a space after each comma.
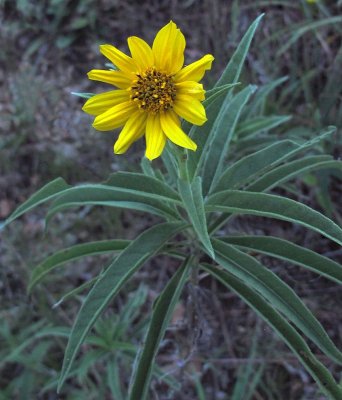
{"points": [[182, 157]]}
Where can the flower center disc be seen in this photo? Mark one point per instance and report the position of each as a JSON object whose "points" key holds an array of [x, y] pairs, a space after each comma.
{"points": [[154, 91]]}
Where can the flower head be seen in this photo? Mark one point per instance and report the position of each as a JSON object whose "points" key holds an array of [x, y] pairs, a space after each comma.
{"points": [[153, 92]]}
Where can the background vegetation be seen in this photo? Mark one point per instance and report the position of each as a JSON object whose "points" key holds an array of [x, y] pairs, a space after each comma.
{"points": [[46, 48]]}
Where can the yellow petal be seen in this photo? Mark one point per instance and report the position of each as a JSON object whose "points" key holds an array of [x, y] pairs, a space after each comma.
{"points": [[132, 131], [118, 58], [116, 78], [141, 53], [114, 117], [155, 137], [168, 49], [100, 103], [190, 109], [196, 70], [173, 131], [191, 88]]}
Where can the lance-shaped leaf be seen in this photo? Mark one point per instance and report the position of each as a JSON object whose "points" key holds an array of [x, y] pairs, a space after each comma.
{"points": [[133, 182], [259, 99], [231, 73], [221, 136], [193, 203], [277, 292], [202, 134], [161, 316], [217, 91], [259, 124], [105, 195], [244, 170], [290, 252], [111, 281], [46, 193], [290, 336], [73, 253], [268, 205], [290, 170], [250, 167]]}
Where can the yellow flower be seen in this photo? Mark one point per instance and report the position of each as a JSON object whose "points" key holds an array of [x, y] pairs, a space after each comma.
{"points": [[154, 91]]}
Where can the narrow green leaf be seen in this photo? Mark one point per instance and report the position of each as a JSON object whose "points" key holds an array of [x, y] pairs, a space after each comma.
{"points": [[290, 336], [245, 169], [113, 378], [248, 168], [73, 253], [290, 252], [105, 195], [148, 185], [201, 135], [277, 292], [161, 315], [291, 170], [232, 72], [169, 163], [221, 135], [259, 99], [267, 205], [193, 203], [249, 375], [46, 193], [253, 126], [212, 94], [111, 281]]}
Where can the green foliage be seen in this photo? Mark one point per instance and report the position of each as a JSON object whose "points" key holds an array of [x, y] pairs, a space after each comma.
{"points": [[61, 21], [236, 162], [109, 345]]}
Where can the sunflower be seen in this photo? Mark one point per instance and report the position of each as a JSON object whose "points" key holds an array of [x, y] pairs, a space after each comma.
{"points": [[153, 92]]}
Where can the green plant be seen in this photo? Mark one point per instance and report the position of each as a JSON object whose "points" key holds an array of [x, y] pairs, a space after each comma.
{"points": [[57, 21], [196, 194], [32, 352]]}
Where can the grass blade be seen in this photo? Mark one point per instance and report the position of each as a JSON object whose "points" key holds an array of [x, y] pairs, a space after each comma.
{"points": [[300, 31]]}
